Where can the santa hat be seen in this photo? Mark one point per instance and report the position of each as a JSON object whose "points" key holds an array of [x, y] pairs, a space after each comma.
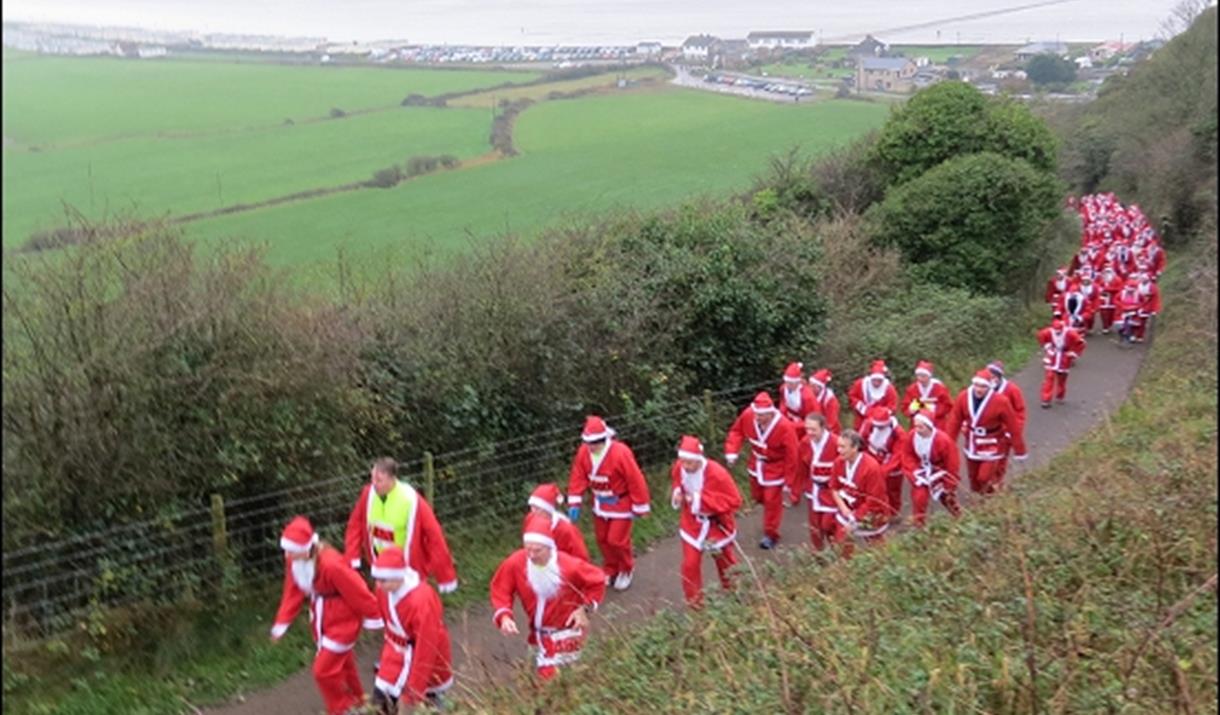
{"points": [[1061, 270], [925, 416], [923, 367], [793, 372], [545, 497], [996, 367], [690, 448], [595, 429], [762, 404], [1057, 325], [820, 378], [877, 369], [881, 415], [983, 377], [537, 530], [390, 565], [298, 536]]}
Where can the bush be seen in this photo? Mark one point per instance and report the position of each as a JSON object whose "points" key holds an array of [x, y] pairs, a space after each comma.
{"points": [[1047, 69], [970, 222], [448, 161], [386, 178], [951, 119], [336, 113], [419, 165], [415, 100]]}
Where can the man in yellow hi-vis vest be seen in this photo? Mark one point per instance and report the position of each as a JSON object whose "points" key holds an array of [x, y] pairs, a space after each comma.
{"points": [[390, 512]]}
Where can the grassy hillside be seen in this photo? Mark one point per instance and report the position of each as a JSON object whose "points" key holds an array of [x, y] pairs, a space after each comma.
{"points": [[1089, 587], [60, 100], [638, 150]]}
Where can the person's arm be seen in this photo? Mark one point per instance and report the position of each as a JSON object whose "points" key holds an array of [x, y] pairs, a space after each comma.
{"points": [[1014, 428], [855, 395], [290, 605], [637, 486], [436, 549], [835, 487], [356, 595], [501, 590], [735, 437], [578, 480], [953, 458], [355, 540]]}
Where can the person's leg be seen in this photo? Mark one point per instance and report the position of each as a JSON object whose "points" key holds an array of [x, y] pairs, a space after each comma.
{"points": [[389, 671], [1107, 319], [725, 560], [815, 529], [893, 489], [351, 673], [844, 540], [601, 533], [1061, 385], [692, 575], [329, 676], [773, 511], [619, 540], [919, 505], [988, 478], [1048, 387], [972, 471], [756, 491]]}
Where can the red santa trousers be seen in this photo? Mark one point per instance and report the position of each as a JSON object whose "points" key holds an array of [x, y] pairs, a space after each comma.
{"points": [[1140, 326], [985, 477], [614, 539], [692, 571], [847, 542], [393, 672], [338, 680], [920, 496], [821, 528], [772, 500], [1107, 317], [1055, 383], [893, 491]]}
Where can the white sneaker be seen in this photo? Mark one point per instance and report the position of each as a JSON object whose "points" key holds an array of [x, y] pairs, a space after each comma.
{"points": [[622, 582]]}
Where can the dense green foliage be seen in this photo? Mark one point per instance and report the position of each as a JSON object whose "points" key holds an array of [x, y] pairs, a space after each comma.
{"points": [[1151, 135], [952, 118], [1050, 68], [970, 222]]}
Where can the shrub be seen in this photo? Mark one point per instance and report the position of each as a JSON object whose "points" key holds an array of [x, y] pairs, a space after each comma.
{"points": [[970, 222], [415, 100], [1050, 69], [336, 113], [387, 177], [419, 165]]}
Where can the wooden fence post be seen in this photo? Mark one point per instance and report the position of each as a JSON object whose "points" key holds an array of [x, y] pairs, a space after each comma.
{"points": [[220, 534], [429, 479]]}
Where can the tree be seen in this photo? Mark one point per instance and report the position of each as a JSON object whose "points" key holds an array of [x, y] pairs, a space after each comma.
{"points": [[952, 118], [1048, 68], [973, 222]]}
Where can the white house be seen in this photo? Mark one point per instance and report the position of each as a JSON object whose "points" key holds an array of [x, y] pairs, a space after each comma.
{"points": [[1106, 50], [648, 49], [780, 39], [148, 52], [1042, 48], [698, 47], [1083, 62]]}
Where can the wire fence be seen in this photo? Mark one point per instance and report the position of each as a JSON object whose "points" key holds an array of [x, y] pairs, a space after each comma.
{"points": [[56, 587]]}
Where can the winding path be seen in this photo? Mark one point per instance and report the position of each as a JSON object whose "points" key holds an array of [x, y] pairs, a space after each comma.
{"points": [[1099, 384]]}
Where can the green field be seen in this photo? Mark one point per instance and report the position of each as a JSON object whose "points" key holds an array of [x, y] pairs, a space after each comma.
{"points": [[804, 71], [61, 101], [638, 150], [937, 54]]}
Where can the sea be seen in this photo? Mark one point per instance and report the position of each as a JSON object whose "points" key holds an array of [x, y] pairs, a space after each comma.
{"points": [[622, 22]]}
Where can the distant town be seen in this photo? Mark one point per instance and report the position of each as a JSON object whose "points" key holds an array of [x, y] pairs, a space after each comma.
{"points": [[780, 62]]}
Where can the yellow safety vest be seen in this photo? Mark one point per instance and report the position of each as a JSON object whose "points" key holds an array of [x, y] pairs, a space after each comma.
{"points": [[392, 520]]}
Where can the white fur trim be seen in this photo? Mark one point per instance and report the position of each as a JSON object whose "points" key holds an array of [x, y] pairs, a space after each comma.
{"points": [[641, 508], [980, 381], [279, 629], [382, 573], [919, 417], [689, 455], [532, 538], [542, 504], [294, 547], [763, 410], [595, 437], [447, 587], [922, 371], [372, 624], [356, 564]]}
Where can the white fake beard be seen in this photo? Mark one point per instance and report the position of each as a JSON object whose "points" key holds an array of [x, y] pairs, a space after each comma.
{"points": [[878, 437], [545, 580], [792, 397], [693, 481], [303, 573]]}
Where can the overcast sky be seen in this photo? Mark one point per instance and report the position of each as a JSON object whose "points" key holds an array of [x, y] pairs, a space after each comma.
{"points": [[604, 21]]}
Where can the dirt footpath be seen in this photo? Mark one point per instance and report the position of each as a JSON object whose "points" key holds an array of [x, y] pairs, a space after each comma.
{"points": [[1098, 385]]}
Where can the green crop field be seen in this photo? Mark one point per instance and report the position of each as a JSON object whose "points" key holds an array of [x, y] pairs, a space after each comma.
{"points": [[804, 71], [937, 54], [180, 176], [54, 101], [638, 150]]}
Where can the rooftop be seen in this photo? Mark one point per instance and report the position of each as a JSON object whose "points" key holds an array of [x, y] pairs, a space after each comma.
{"points": [[783, 34], [887, 64]]}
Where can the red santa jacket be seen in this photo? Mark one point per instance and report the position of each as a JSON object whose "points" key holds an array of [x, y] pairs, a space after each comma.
{"points": [[1060, 349], [828, 406], [1128, 302], [583, 585], [426, 549], [618, 485], [708, 501], [1055, 287], [1108, 292], [884, 448], [990, 425], [1150, 298], [1154, 256], [931, 462], [1016, 398], [803, 403], [568, 538], [861, 485], [817, 460], [773, 453], [415, 629], [1077, 305], [863, 399], [339, 602], [934, 397]]}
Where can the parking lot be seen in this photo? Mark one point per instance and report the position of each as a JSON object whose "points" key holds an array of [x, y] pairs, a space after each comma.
{"points": [[744, 85]]}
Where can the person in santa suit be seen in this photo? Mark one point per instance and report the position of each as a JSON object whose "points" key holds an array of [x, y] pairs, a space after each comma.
{"points": [[872, 390], [816, 457], [1075, 307], [857, 485], [1061, 346], [557, 591], [795, 398], [607, 467], [1056, 287], [773, 459], [926, 392], [416, 663], [708, 498], [339, 605], [930, 464], [390, 512], [990, 426], [1111, 284], [882, 437], [828, 403], [1092, 298], [1128, 305], [546, 500], [1153, 256], [1120, 256], [1016, 398], [1150, 304]]}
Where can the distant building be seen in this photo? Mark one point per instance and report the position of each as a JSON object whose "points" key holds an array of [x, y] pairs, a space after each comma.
{"points": [[648, 49], [149, 52], [780, 40], [885, 74], [925, 79], [868, 47], [1059, 49], [1084, 62], [698, 47], [1107, 50]]}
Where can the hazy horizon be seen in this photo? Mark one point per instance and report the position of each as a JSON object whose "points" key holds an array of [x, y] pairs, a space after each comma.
{"points": [[515, 22]]}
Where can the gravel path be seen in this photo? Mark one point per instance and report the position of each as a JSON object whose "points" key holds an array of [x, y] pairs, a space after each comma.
{"points": [[1098, 385]]}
